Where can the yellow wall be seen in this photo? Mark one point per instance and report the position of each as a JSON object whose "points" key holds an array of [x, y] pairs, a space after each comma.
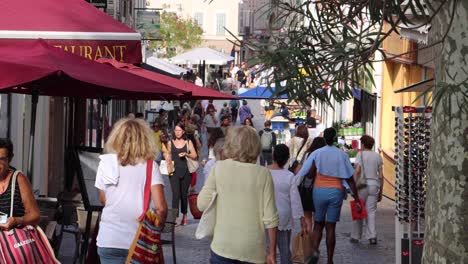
{"points": [[397, 73]]}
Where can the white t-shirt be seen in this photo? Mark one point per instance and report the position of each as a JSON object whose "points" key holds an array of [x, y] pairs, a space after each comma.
{"points": [[288, 200], [372, 164], [124, 204]]}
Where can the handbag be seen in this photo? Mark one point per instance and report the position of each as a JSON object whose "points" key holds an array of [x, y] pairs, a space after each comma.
{"points": [[26, 244], [163, 168], [361, 181], [296, 162], [306, 189], [207, 222], [191, 164], [192, 198], [146, 246]]}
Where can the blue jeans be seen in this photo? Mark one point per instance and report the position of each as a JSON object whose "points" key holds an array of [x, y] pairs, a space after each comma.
{"points": [[217, 259], [112, 255]]}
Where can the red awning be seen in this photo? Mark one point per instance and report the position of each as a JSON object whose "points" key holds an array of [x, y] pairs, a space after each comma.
{"points": [[73, 25], [54, 72], [197, 92]]}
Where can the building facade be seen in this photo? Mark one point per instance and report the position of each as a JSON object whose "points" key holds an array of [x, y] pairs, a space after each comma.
{"points": [[215, 18]]}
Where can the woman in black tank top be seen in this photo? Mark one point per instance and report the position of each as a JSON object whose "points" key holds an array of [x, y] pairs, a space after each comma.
{"points": [[25, 210], [179, 150]]}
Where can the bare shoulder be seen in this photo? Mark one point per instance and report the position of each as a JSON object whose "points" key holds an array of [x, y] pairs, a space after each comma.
{"points": [[23, 180]]}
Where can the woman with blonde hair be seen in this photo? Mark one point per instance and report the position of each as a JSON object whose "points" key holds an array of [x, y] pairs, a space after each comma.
{"points": [[121, 178], [245, 202]]}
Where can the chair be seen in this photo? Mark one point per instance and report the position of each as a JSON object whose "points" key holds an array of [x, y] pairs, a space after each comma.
{"points": [[169, 228]]}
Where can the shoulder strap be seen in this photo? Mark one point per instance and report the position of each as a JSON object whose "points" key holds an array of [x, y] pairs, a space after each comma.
{"points": [[362, 161], [13, 187], [147, 195], [304, 141]]}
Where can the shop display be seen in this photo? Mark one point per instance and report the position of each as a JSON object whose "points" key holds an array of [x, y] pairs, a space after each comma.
{"points": [[412, 143]]}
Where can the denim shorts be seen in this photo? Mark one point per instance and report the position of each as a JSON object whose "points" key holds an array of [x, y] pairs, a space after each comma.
{"points": [[112, 255], [327, 203]]}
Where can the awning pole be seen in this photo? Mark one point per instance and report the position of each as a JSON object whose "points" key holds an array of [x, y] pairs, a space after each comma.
{"points": [[35, 99]]}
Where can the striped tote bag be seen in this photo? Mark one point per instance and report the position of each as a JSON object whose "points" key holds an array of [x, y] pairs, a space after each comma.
{"points": [[146, 246], [26, 244]]}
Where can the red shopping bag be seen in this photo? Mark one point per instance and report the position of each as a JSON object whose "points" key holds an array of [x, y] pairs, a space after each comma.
{"points": [[355, 215], [193, 206]]}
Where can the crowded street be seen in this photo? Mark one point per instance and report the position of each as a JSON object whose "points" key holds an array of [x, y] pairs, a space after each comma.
{"points": [[233, 132]]}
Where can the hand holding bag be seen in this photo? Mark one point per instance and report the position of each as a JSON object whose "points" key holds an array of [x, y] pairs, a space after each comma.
{"points": [[146, 246], [302, 248], [191, 164], [207, 222], [26, 244]]}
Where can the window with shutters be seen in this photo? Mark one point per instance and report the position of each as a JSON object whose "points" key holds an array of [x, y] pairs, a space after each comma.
{"points": [[198, 16], [220, 23]]}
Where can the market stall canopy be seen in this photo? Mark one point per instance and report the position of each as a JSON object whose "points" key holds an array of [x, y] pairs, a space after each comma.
{"points": [[198, 55], [165, 66], [194, 91], [262, 92], [47, 70], [73, 25]]}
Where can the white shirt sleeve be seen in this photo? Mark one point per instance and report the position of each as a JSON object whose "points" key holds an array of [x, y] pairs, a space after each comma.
{"points": [[99, 182], [296, 203], [156, 178]]}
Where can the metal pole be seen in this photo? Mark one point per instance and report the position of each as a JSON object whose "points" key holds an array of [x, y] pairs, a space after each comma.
{"points": [[35, 99]]}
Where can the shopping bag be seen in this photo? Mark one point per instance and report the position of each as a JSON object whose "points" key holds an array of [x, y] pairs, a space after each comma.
{"points": [[207, 222], [24, 244], [355, 215], [163, 168], [302, 248], [193, 205], [146, 246]]}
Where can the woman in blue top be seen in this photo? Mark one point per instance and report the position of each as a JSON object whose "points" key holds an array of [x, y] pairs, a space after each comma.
{"points": [[334, 172]]}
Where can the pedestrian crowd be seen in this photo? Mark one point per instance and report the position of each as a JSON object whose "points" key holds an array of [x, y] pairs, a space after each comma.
{"points": [[261, 187]]}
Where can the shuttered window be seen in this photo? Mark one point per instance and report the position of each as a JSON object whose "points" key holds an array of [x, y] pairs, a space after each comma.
{"points": [[220, 23]]}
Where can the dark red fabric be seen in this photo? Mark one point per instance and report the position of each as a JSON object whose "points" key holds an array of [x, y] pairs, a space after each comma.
{"points": [[194, 179], [58, 73], [197, 92], [147, 196], [53, 15], [193, 206], [33, 17]]}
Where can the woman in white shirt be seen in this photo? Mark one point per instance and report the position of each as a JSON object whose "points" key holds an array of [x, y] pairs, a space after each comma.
{"points": [[288, 201], [368, 165], [121, 178]]}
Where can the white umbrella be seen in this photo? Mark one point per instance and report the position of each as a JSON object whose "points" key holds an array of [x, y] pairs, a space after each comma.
{"points": [[165, 66], [198, 55]]}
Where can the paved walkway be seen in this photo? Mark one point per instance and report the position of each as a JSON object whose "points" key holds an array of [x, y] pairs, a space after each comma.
{"points": [[192, 251]]}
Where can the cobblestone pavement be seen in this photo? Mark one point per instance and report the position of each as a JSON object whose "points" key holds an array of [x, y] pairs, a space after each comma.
{"points": [[192, 251]]}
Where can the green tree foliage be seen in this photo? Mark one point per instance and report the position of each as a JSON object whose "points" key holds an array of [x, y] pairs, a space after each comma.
{"points": [[316, 44], [177, 34]]}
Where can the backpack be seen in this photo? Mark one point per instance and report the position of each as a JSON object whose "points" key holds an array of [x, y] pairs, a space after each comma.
{"points": [[266, 139], [234, 104]]}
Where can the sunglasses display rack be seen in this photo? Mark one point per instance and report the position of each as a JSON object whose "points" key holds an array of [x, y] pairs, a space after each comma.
{"points": [[412, 138]]}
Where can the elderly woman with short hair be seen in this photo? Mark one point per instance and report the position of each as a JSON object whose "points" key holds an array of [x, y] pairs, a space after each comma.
{"points": [[245, 203]]}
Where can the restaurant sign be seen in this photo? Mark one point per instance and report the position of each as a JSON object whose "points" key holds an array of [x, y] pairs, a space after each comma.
{"points": [[98, 3], [148, 23]]}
